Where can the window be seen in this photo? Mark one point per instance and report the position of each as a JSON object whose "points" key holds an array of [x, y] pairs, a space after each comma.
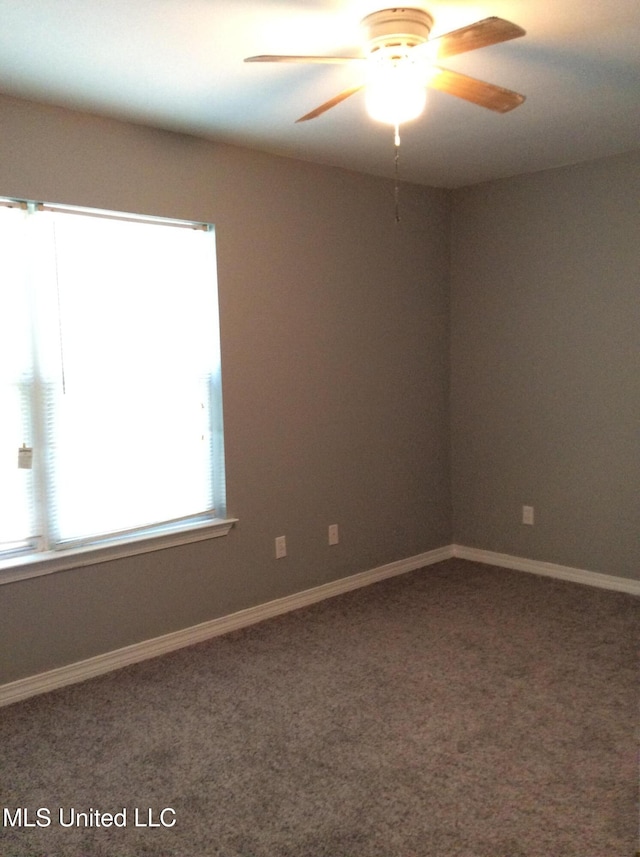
{"points": [[110, 390]]}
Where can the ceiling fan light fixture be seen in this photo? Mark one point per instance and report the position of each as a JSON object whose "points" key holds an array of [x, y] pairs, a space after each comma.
{"points": [[396, 93]]}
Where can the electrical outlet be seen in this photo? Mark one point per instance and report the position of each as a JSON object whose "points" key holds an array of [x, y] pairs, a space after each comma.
{"points": [[527, 515], [281, 547], [333, 534]]}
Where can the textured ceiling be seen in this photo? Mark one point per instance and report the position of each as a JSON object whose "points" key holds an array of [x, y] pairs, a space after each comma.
{"points": [[178, 65]]}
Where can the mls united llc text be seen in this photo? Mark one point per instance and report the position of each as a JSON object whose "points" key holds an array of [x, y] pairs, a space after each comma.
{"points": [[71, 817]]}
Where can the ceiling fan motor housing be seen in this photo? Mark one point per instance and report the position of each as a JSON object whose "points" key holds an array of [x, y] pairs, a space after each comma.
{"points": [[398, 27]]}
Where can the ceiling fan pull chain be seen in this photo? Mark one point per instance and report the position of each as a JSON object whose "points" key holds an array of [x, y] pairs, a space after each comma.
{"points": [[396, 189]]}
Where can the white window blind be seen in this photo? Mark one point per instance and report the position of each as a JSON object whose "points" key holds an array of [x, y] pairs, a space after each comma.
{"points": [[111, 372]]}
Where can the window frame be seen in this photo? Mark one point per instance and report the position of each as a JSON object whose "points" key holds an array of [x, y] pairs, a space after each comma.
{"points": [[26, 565], [31, 561]]}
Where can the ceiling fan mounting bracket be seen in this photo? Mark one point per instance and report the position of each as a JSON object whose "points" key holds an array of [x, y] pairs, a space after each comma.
{"points": [[396, 27]]}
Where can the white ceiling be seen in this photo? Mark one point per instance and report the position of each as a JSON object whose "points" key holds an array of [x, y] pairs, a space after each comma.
{"points": [[178, 65]]}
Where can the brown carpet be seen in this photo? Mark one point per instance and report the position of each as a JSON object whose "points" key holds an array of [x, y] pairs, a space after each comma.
{"points": [[458, 711]]}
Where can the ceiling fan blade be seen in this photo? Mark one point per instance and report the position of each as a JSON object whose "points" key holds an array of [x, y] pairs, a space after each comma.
{"points": [[477, 91], [331, 103], [285, 58], [490, 31]]}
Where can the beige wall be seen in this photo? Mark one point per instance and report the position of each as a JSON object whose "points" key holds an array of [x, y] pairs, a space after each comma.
{"points": [[338, 350], [545, 297], [334, 328]]}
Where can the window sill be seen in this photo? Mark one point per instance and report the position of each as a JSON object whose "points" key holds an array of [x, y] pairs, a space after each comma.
{"points": [[39, 564]]}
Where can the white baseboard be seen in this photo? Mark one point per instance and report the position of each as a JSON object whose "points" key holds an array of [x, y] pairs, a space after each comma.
{"points": [[82, 670], [548, 569]]}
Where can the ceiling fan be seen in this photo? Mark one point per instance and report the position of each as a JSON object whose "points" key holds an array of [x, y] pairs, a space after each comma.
{"points": [[399, 62]]}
